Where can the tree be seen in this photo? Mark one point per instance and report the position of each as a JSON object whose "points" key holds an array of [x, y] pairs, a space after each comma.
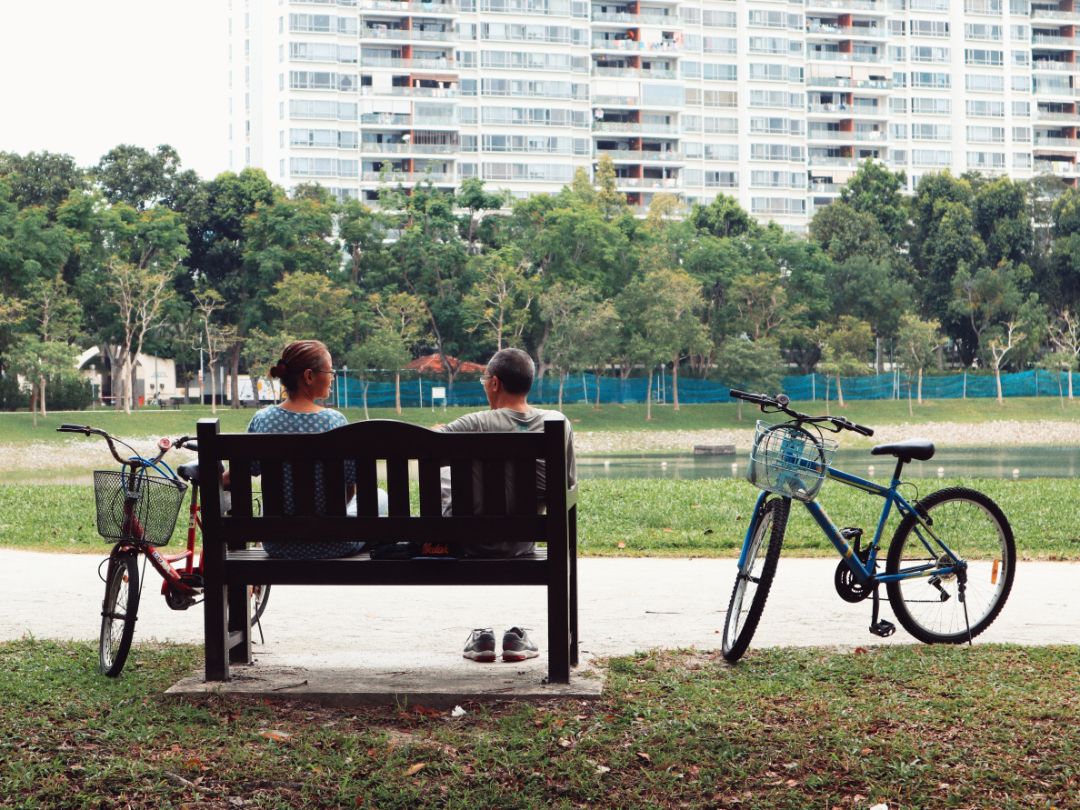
{"points": [[312, 305], [362, 234], [1065, 338], [132, 175], [872, 291], [56, 315], [40, 178], [36, 359], [500, 299], [403, 315], [262, 352], [382, 349], [722, 217], [599, 326], [563, 307], [761, 307], [216, 338], [987, 297], [476, 200], [846, 346], [1023, 326], [750, 365], [845, 232], [877, 191], [1059, 363], [918, 342]]}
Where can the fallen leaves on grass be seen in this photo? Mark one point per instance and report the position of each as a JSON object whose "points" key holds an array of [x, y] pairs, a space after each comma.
{"points": [[275, 735], [415, 768]]}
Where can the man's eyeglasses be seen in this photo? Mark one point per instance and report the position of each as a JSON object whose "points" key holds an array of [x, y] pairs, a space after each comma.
{"points": [[485, 377], [325, 370]]}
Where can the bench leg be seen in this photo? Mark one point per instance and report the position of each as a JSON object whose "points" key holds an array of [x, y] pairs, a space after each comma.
{"points": [[558, 590], [239, 624], [216, 634], [573, 589]]}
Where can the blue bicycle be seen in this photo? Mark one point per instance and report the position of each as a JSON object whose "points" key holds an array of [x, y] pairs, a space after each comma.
{"points": [[949, 566]]}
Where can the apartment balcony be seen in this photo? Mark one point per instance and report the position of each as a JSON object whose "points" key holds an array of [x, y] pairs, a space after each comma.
{"points": [[409, 6], [1051, 41], [641, 156], [840, 81], [836, 56], [647, 182], [847, 137], [839, 162], [407, 121], [635, 128], [1047, 115], [825, 188], [1055, 67], [1060, 168], [412, 92], [405, 34], [1052, 144], [845, 32], [409, 148], [1055, 14], [636, 46], [1057, 92], [409, 177], [611, 17], [633, 73], [871, 6]]}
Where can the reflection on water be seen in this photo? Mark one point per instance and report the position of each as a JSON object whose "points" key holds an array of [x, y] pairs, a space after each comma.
{"points": [[961, 462]]}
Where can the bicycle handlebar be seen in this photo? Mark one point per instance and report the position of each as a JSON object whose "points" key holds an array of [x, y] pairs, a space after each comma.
{"points": [[780, 403], [164, 445]]}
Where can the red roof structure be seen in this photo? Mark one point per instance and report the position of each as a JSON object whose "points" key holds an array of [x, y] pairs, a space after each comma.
{"points": [[432, 364]]}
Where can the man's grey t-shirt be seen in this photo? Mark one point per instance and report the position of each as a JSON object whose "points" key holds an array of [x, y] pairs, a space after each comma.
{"points": [[505, 420]]}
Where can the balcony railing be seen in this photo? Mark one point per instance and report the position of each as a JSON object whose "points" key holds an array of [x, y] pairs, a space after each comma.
{"points": [[601, 44], [639, 156], [411, 7], [647, 182], [634, 73], [410, 148], [833, 161], [835, 135], [409, 177], [848, 31], [1065, 92], [414, 64], [1058, 167], [1057, 67], [859, 5], [836, 56], [417, 92], [404, 34], [1044, 140], [407, 120], [1054, 14], [1046, 115], [1049, 39], [825, 188], [608, 16], [839, 81], [634, 126]]}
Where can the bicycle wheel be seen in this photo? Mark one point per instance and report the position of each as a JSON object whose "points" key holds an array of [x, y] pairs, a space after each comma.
{"points": [[755, 578], [259, 596], [934, 609], [118, 612]]}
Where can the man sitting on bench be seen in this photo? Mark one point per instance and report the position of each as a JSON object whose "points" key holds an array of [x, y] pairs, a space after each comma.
{"points": [[507, 382]]}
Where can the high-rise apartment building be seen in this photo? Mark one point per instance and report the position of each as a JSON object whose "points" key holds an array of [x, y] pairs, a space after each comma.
{"points": [[774, 102]]}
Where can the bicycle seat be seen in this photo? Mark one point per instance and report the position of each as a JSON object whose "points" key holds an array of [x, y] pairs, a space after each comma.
{"points": [[919, 449], [189, 471]]}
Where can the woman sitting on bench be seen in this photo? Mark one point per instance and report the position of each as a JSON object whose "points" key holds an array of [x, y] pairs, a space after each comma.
{"points": [[306, 370]]}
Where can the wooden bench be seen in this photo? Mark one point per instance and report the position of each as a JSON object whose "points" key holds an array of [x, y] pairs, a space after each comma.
{"points": [[480, 465]]}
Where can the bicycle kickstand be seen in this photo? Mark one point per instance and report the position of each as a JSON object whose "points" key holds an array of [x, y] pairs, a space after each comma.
{"points": [[880, 627]]}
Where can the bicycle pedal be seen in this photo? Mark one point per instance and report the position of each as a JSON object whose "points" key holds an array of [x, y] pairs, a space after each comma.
{"points": [[193, 581], [883, 628]]}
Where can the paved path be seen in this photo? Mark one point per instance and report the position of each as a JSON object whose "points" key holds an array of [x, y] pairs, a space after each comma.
{"points": [[625, 605]]}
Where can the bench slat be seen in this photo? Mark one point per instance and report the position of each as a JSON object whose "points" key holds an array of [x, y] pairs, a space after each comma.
{"points": [[303, 486], [240, 477], [524, 487], [461, 486], [367, 480], [494, 497], [430, 488], [397, 486], [389, 572], [273, 488], [462, 529]]}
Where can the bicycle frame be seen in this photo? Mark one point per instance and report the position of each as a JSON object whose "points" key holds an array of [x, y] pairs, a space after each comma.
{"points": [[865, 574]]}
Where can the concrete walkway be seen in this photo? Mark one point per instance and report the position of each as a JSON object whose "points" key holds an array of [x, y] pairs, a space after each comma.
{"points": [[625, 605]]}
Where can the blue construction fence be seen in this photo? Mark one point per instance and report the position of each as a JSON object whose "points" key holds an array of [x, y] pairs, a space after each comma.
{"points": [[581, 388]]}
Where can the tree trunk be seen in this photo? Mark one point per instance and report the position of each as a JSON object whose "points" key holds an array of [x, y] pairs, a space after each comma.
{"points": [[213, 387], [597, 373], [910, 412], [1069, 372], [562, 381], [648, 397], [920, 385], [41, 384], [33, 404], [997, 383], [236, 375], [365, 385], [738, 410], [839, 392], [397, 393], [675, 382], [1061, 392]]}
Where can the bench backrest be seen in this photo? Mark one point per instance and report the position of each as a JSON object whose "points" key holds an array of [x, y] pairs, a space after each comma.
{"points": [[311, 470]]}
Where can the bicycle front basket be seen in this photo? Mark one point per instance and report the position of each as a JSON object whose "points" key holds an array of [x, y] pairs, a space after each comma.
{"points": [[789, 460], [140, 507]]}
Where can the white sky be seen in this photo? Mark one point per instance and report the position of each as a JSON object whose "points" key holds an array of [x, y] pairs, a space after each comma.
{"points": [[82, 76]]}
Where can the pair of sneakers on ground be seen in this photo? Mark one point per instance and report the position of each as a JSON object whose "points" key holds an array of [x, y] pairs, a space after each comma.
{"points": [[516, 645]]}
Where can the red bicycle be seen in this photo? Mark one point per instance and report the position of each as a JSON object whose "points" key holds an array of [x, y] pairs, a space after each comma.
{"points": [[137, 507]]}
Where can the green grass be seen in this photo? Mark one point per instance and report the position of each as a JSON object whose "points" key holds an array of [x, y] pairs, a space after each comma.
{"points": [[648, 517], [909, 726], [18, 427]]}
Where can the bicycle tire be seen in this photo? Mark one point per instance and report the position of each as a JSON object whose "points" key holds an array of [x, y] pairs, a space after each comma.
{"points": [[259, 596], [967, 521], [772, 519], [119, 611]]}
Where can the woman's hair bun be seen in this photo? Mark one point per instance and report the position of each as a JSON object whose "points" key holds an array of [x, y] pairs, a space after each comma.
{"points": [[278, 371]]}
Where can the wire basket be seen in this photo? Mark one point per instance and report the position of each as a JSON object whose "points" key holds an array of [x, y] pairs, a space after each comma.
{"points": [[789, 460], [147, 511]]}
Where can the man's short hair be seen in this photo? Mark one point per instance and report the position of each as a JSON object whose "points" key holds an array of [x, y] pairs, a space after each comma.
{"points": [[514, 368]]}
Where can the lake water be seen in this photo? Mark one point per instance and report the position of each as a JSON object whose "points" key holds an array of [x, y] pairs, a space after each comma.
{"points": [[962, 462]]}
